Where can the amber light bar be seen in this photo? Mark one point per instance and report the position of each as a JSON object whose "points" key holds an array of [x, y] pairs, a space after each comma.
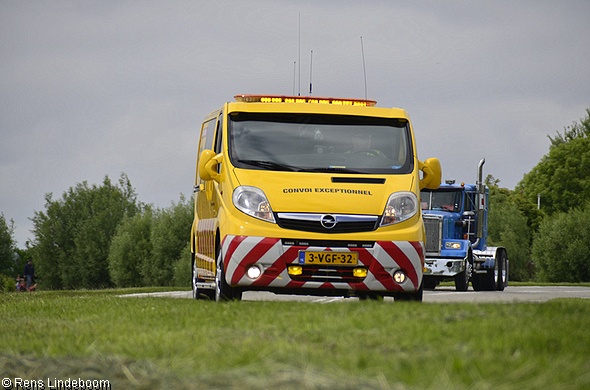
{"points": [[303, 99]]}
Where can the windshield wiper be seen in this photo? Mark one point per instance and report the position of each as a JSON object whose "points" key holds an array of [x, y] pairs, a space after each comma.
{"points": [[269, 165]]}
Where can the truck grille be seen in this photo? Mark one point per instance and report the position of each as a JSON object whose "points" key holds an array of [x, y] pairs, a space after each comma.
{"points": [[433, 226]]}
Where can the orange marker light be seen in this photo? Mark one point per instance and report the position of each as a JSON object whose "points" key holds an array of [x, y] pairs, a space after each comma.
{"points": [[304, 99]]}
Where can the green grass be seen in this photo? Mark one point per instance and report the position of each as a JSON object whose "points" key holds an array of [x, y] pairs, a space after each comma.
{"points": [[181, 343]]}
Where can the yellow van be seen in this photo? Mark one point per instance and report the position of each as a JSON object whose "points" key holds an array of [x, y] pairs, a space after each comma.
{"points": [[306, 195]]}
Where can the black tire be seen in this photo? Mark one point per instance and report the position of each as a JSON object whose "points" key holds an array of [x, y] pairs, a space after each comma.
{"points": [[477, 280], [223, 291], [369, 296], [194, 277], [429, 283], [502, 270], [415, 296], [462, 279]]}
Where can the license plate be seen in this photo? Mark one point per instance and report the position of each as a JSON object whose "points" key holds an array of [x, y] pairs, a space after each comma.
{"points": [[338, 258]]}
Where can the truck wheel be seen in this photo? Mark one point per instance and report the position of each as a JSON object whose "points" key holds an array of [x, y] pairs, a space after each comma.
{"points": [[462, 279], [484, 281], [502, 270], [429, 283], [223, 291], [489, 280], [477, 282]]}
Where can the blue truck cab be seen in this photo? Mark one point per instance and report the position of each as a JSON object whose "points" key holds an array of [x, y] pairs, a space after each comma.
{"points": [[455, 220]]}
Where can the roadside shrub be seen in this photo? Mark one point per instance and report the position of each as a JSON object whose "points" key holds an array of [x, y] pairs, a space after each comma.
{"points": [[130, 248], [182, 268], [7, 284], [561, 248], [507, 227], [169, 236]]}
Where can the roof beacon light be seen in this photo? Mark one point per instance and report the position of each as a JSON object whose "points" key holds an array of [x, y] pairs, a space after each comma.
{"points": [[303, 99]]}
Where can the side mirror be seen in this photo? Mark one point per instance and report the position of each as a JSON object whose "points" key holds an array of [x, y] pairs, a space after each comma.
{"points": [[207, 163], [432, 173]]}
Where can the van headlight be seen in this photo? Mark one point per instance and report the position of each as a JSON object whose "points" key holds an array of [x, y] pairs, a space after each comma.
{"points": [[252, 201], [400, 207]]}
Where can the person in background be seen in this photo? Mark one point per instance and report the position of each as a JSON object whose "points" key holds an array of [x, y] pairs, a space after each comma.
{"points": [[29, 273]]}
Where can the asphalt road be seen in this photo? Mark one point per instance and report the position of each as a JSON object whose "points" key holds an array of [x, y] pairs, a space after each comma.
{"points": [[439, 295]]}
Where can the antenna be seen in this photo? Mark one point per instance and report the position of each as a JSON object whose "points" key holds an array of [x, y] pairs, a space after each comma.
{"points": [[364, 69], [294, 75], [299, 56], [310, 67]]}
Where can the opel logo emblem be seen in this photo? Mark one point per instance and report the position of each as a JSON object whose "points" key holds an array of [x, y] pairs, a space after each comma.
{"points": [[328, 221]]}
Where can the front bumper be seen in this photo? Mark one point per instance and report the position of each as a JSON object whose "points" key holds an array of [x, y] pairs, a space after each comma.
{"points": [[274, 255], [448, 267]]}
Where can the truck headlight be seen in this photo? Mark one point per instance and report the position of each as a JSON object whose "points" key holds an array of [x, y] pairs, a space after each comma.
{"points": [[400, 207], [452, 245], [253, 201]]}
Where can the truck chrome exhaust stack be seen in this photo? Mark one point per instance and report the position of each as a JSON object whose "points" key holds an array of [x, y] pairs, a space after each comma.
{"points": [[480, 175], [481, 199]]}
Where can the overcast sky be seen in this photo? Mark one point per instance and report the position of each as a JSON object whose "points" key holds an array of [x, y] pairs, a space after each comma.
{"points": [[95, 88]]}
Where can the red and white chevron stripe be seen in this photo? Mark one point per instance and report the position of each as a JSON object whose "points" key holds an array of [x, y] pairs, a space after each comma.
{"points": [[386, 257]]}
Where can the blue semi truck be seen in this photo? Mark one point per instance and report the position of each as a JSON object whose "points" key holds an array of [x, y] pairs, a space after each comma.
{"points": [[455, 219]]}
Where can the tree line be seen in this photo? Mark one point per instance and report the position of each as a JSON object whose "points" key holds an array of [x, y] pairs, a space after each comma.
{"points": [[98, 236], [542, 222]]}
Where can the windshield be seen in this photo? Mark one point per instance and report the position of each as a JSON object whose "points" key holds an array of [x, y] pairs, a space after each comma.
{"points": [[441, 200], [317, 143]]}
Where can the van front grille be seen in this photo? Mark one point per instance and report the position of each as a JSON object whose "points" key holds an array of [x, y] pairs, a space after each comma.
{"points": [[327, 223]]}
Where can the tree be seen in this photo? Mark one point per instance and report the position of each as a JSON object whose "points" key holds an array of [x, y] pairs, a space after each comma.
{"points": [[561, 248], [131, 247], [152, 248], [562, 178], [507, 227], [7, 247], [170, 235], [10, 261], [72, 237]]}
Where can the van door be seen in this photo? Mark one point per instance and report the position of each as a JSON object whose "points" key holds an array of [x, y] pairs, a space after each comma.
{"points": [[207, 203]]}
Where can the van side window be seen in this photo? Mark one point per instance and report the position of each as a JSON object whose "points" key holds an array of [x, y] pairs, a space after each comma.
{"points": [[207, 136], [219, 134], [219, 138]]}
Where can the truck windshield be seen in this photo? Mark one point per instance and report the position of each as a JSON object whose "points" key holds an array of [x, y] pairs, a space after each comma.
{"points": [[320, 143], [441, 200]]}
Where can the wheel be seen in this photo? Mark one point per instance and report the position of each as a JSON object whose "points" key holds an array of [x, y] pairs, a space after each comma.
{"points": [[502, 279], [495, 274], [462, 279], [369, 296], [223, 291], [486, 281], [194, 277], [429, 283], [415, 296]]}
